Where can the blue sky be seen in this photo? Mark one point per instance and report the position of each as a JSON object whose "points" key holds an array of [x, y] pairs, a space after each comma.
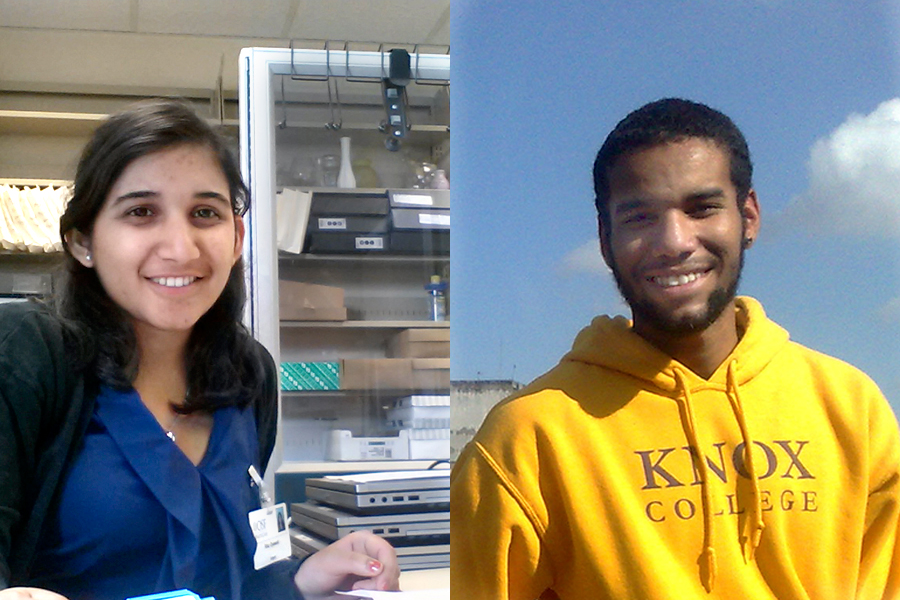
{"points": [[815, 87]]}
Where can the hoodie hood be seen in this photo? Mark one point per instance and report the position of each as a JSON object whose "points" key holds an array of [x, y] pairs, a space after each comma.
{"points": [[612, 344]]}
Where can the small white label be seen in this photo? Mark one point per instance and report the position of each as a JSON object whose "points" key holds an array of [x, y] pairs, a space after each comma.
{"points": [[413, 199], [270, 528], [333, 224], [369, 243], [370, 449], [433, 219]]}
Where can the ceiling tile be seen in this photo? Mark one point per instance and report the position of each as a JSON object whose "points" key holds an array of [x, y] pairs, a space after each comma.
{"points": [[399, 21], [233, 18], [108, 15]]}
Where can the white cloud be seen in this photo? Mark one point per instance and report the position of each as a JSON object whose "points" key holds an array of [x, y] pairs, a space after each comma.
{"points": [[890, 312], [585, 259], [854, 179]]}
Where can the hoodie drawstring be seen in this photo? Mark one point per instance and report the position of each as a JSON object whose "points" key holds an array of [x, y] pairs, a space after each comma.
{"points": [[708, 555], [753, 524]]}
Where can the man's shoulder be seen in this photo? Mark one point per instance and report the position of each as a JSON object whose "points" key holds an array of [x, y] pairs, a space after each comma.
{"points": [[827, 364], [847, 391], [547, 406]]}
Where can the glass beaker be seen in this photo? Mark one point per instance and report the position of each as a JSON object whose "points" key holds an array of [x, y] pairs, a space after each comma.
{"points": [[329, 167]]}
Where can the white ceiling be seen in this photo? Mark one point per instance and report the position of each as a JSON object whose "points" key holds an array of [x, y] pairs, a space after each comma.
{"points": [[397, 21], [97, 46]]}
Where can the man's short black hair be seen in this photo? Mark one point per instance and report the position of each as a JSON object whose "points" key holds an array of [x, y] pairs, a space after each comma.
{"points": [[664, 121]]}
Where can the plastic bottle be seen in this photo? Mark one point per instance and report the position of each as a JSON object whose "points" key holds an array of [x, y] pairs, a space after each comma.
{"points": [[437, 289]]}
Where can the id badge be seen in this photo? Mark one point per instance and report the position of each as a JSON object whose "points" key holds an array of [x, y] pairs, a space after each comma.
{"points": [[270, 528]]}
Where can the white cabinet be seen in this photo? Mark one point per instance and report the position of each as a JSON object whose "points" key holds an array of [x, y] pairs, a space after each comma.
{"points": [[384, 296], [295, 107]]}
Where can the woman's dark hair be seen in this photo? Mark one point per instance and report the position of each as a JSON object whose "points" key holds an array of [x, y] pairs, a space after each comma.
{"points": [[220, 361], [664, 121]]}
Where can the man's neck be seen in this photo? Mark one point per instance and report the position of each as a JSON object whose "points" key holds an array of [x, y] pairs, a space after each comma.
{"points": [[702, 352]]}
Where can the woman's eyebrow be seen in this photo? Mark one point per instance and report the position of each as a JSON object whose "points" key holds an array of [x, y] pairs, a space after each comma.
{"points": [[211, 195], [135, 194]]}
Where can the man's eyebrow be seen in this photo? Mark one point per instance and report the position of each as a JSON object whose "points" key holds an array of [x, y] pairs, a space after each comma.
{"points": [[707, 194], [629, 205], [696, 196]]}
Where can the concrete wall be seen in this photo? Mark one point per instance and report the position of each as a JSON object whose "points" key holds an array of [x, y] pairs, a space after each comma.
{"points": [[470, 401]]}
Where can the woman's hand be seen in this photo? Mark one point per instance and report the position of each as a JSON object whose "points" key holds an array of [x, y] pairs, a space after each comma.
{"points": [[359, 561], [27, 593]]}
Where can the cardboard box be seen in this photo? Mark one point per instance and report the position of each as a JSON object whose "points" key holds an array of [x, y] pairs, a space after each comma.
{"points": [[395, 373], [431, 373], [300, 301], [376, 373], [420, 343]]}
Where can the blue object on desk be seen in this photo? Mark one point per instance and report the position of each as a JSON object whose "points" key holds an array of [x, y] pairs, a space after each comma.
{"points": [[171, 596]]}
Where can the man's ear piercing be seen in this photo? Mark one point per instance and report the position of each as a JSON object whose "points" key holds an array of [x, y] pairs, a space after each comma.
{"points": [[748, 242]]}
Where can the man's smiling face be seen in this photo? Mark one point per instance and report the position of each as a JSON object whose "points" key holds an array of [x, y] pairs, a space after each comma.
{"points": [[676, 237]]}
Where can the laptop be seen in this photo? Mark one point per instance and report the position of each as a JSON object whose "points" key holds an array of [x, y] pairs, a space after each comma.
{"points": [[432, 556], [333, 523], [391, 491]]}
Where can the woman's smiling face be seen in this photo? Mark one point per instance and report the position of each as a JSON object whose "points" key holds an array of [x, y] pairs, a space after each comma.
{"points": [[166, 239]]}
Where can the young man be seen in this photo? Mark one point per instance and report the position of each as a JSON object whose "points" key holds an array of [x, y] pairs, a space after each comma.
{"points": [[694, 451]]}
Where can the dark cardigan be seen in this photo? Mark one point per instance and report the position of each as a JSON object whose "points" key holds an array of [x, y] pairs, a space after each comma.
{"points": [[45, 408]]}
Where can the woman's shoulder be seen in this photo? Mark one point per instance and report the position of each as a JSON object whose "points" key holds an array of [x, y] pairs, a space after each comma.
{"points": [[24, 322], [33, 347]]}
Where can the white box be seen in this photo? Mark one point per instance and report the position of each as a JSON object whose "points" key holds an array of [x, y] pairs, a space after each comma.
{"points": [[419, 417], [429, 444], [343, 446], [423, 400]]}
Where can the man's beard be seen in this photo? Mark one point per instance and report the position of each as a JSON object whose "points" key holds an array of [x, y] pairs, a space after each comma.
{"points": [[649, 314]]}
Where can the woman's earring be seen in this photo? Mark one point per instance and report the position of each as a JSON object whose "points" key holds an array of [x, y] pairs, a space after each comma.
{"points": [[87, 257]]}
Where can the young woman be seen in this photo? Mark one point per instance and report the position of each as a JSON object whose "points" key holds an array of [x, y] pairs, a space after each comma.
{"points": [[132, 408]]}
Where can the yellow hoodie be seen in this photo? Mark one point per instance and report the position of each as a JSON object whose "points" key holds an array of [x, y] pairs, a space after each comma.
{"points": [[622, 474]]}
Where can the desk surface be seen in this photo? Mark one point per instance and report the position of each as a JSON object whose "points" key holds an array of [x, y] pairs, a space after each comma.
{"points": [[425, 579]]}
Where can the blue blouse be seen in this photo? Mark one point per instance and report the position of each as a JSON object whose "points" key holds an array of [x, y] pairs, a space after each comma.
{"points": [[138, 517]]}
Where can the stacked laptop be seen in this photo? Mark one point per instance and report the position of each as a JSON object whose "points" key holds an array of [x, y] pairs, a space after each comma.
{"points": [[410, 509]]}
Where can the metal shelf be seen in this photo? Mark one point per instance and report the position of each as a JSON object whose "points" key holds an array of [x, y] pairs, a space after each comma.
{"points": [[38, 122], [366, 257], [399, 325]]}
